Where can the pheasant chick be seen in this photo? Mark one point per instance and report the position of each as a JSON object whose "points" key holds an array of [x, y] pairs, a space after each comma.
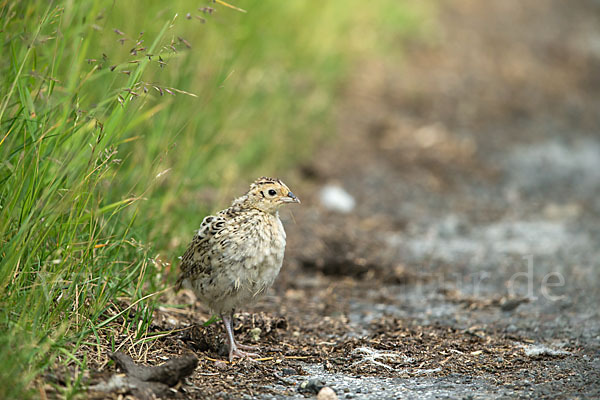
{"points": [[236, 254]]}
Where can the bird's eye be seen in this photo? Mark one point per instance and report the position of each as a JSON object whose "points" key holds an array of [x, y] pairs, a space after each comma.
{"points": [[272, 192]]}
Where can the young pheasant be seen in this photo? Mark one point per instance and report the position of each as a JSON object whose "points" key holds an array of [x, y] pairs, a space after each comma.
{"points": [[236, 254]]}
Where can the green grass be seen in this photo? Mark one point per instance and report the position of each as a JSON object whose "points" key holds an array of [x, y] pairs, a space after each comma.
{"points": [[107, 137]]}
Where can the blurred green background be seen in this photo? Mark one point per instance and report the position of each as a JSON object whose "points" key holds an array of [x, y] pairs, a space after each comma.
{"points": [[115, 116]]}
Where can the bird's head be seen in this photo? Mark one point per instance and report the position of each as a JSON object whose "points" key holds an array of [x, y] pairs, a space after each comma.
{"points": [[268, 194]]}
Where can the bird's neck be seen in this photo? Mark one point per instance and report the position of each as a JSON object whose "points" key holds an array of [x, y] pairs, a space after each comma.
{"points": [[274, 211], [243, 204]]}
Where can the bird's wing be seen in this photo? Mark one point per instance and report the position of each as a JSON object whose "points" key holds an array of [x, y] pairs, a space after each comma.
{"points": [[196, 261], [229, 238]]}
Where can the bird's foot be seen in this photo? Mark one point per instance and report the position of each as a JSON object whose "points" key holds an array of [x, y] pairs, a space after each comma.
{"points": [[246, 347], [237, 352]]}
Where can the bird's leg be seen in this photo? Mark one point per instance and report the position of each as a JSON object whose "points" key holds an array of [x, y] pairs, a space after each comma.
{"points": [[234, 348], [243, 346]]}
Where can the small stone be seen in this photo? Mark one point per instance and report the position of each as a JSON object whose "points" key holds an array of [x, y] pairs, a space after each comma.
{"points": [[512, 304], [335, 198], [288, 371], [311, 386], [326, 393]]}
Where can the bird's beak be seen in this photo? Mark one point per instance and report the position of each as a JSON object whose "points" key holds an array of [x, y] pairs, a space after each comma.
{"points": [[291, 198]]}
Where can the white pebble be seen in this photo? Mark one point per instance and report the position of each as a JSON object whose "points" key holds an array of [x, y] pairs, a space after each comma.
{"points": [[327, 393], [335, 198]]}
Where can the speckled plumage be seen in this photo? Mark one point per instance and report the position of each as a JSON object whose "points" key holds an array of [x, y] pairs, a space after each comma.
{"points": [[236, 254]]}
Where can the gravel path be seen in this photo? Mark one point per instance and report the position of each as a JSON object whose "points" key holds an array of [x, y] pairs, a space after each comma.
{"points": [[475, 168]]}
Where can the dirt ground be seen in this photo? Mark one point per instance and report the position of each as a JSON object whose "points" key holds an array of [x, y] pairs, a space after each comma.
{"points": [[469, 265]]}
